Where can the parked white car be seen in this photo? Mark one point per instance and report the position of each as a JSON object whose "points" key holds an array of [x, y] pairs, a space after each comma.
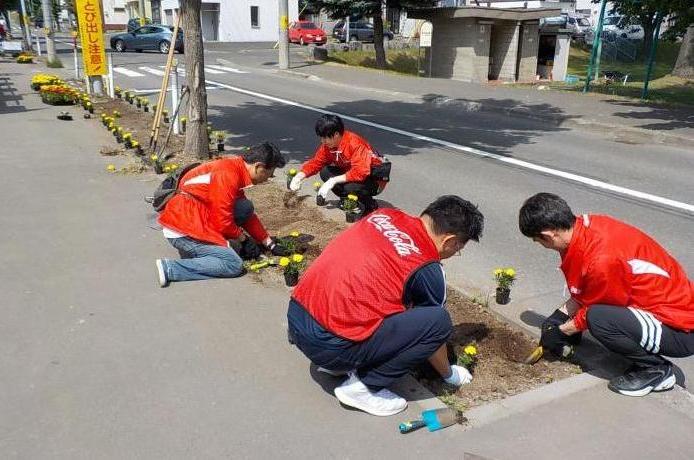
{"points": [[630, 32]]}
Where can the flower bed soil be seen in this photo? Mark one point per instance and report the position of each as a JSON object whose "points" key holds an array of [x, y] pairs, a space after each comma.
{"points": [[498, 372]]}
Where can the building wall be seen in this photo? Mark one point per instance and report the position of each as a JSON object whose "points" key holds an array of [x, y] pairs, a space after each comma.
{"points": [[462, 49], [234, 18], [504, 50], [530, 38], [115, 15]]}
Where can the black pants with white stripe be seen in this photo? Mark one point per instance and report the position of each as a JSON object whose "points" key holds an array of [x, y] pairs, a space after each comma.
{"points": [[638, 335]]}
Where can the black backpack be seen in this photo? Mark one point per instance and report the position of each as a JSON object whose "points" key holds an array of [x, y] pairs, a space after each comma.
{"points": [[168, 187]]}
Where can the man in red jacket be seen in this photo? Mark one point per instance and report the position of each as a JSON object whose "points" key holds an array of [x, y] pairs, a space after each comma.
{"points": [[206, 218], [347, 164], [372, 305], [633, 296]]}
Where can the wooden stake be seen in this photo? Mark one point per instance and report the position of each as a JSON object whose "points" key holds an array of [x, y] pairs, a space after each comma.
{"points": [[164, 86]]}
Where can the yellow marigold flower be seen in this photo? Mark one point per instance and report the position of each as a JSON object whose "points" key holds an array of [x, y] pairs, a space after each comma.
{"points": [[352, 197], [470, 350], [297, 258], [111, 168], [167, 168], [316, 185], [510, 272], [284, 261], [135, 144], [153, 158], [173, 167], [292, 172], [498, 272], [294, 234]]}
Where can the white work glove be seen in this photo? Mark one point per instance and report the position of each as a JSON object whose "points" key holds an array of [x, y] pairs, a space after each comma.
{"points": [[459, 376], [326, 187], [295, 184]]}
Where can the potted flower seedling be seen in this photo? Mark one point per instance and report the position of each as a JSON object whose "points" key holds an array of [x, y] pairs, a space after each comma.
{"points": [[138, 102], [119, 134], [504, 279], [103, 118], [292, 267], [209, 132], [165, 114], [220, 135], [317, 185], [290, 175], [116, 114], [468, 357], [111, 168], [154, 108], [90, 107], [118, 92], [351, 207], [145, 104], [128, 140], [184, 122], [130, 99], [138, 148]]}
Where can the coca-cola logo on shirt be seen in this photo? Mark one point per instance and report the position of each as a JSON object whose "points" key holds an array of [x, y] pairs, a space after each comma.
{"points": [[401, 241]]}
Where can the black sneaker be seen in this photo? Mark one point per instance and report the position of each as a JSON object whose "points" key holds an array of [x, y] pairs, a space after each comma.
{"points": [[639, 381]]}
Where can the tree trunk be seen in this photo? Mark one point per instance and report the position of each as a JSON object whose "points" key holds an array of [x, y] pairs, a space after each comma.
{"points": [[378, 40], [648, 25], [684, 67], [197, 141]]}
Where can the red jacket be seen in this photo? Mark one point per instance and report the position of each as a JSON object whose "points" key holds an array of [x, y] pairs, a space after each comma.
{"points": [[353, 156], [610, 262], [359, 278], [205, 209]]}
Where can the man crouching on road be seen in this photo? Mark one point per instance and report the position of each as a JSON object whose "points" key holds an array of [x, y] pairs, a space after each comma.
{"points": [[206, 217], [372, 304], [632, 295]]}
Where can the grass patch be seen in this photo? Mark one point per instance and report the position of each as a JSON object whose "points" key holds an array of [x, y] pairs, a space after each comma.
{"points": [[401, 61], [663, 87]]}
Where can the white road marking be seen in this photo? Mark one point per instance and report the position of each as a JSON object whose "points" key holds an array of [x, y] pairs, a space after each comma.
{"points": [[481, 153], [157, 72], [227, 69], [209, 70], [127, 72]]}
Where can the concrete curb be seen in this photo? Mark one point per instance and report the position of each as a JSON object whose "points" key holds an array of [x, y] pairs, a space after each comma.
{"points": [[497, 410]]}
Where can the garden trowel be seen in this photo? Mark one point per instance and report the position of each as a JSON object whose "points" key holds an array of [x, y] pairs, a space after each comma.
{"points": [[263, 263], [433, 419]]}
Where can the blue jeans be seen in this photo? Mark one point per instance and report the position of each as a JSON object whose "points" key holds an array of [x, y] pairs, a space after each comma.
{"points": [[201, 260]]}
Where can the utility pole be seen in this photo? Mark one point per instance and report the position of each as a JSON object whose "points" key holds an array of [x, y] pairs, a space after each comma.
{"points": [[25, 22], [142, 13], [48, 28], [596, 46], [283, 38]]}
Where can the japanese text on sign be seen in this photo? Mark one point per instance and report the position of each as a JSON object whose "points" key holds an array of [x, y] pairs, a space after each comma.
{"points": [[92, 36]]}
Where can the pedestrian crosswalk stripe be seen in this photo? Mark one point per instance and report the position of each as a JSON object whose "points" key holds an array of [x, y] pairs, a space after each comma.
{"points": [[157, 72], [127, 72], [228, 69], [209, 70]]}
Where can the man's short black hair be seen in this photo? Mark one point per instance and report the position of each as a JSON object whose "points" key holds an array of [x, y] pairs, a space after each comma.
{"points": [[266, 153], [454, 215], [329, 125], [542, 212]]}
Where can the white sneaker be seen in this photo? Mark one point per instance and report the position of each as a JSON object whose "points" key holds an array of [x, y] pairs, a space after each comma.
{"points": [[163, 282], [333, 373], [354, 393]]}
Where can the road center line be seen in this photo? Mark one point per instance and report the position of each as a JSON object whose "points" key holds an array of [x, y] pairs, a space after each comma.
{"points": [[481, 153]]}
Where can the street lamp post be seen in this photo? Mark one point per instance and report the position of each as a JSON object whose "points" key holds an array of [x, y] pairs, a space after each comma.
{"points": [[48, 28]]}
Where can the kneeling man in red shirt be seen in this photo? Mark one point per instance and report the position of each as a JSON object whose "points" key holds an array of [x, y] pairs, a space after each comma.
{"points": [[372, 305], [633, 296]]}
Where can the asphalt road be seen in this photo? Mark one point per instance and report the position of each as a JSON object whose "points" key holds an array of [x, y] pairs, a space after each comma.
{"points": [[423, 170]]}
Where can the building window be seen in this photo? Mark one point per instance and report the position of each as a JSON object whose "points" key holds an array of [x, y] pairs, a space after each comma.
{"points": [[255, 20]]}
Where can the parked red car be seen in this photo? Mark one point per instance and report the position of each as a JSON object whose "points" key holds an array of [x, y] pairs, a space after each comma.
{"points": [[304, 32]]}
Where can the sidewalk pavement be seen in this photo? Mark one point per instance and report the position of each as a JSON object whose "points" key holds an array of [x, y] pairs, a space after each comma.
{"points": [[99, 362], [628, 119]]}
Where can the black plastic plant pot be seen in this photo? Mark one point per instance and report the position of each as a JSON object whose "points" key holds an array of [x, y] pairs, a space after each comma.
{"points": [[138, 104], [139, 150], [146, 108], [220, 147], [158, 168], [351, 217], [91, 109], [503, 295], [320, 201], [291, 278], [131, 101], [128, 144], [166, 118]]}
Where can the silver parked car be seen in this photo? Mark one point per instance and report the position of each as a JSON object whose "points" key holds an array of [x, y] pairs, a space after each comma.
{"points": [[150, 37]]}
